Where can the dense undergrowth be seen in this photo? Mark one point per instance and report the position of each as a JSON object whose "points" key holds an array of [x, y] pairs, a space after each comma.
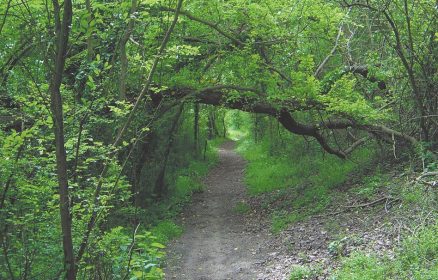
{"points": [[416, 255], [416, 258], [300, 184], [139, 252], [133, 225], [296, 181]]}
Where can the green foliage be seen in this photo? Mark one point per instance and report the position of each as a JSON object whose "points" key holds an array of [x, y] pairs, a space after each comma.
{"points": [[370, 185], [267, 173], [343, 99], [120, 253], [166, 230], [361, 267], [301, 272], [242, 207], [417, 259], [273, 47], [303, 181]]}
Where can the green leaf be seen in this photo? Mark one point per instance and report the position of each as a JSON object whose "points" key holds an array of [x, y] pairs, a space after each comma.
{"points": [[158, 245]]}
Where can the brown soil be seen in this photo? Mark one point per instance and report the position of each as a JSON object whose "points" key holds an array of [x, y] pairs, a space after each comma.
{"points": [[220, 243], [217, 242]]}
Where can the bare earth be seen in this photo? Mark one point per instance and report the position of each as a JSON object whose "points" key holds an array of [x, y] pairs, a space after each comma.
{"points": [[219, 243]]}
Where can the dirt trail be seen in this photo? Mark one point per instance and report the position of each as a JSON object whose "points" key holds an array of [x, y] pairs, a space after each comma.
{"points": [[219, 243]]}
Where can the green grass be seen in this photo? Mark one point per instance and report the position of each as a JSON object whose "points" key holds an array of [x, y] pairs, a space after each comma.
{"points": [[166, 230], [370, 185], [242, 207], [267, 173], [300, 272], [280, 221], [416, 259], [306, 178], [360, 266]]}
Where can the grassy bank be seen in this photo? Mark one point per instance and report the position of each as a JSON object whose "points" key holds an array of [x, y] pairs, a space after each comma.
{"points": [[299, 183]]}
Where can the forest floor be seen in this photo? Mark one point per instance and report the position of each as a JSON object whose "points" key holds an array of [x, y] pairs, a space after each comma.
{"points": [[218, 242], [221, 242]]}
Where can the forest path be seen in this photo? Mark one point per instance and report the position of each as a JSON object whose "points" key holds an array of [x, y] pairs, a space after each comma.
{"points": [[218, 242]]}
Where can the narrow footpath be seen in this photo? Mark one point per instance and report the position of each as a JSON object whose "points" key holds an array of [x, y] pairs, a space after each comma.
{"points": [[218, 242]]}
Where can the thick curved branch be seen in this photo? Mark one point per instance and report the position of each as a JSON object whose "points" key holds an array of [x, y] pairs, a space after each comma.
{"points": [[216, 96], [364, 72]]}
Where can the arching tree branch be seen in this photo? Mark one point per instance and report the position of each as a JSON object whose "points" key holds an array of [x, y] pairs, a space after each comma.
{"points": [[218, 96]]}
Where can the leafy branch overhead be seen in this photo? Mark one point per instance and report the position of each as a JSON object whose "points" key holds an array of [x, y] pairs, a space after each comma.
{"points": [[278, 68], [110, 112]]}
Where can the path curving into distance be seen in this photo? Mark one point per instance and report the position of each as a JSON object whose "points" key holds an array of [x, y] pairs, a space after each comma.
{"points": [[218, 243]]}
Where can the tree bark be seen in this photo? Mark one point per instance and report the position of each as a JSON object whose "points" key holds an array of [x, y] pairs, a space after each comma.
{"points": [[62, 34]]}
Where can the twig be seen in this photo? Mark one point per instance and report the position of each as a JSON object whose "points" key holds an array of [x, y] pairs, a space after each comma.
{"points": [[128, 268], [388, 200], [373, 202], [427, 174], [332, 52]]}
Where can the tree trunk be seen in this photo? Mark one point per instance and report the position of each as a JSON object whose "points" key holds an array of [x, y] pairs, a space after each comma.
{"points": [[196, 128], [212, 128], [144, 150], [224, 126], [62, 34], [123, 55], [160, 185]]}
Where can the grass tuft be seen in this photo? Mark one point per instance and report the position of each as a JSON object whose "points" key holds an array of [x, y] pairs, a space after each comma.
{"points": [[306, 178], [242, 207]]}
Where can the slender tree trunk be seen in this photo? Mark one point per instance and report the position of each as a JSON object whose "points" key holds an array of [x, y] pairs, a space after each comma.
{"points": [[213, 122], [90, 50], [224, 126], [62, 34], [212, 128], [196, 127], [256, 128], [137, 170], [123, 55], [160, 185]]}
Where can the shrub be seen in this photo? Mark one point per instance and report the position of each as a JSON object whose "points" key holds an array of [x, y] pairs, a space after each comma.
{"points": [[300, 272]]}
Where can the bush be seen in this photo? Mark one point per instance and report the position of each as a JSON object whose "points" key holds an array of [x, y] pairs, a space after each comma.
{"points": [[417, 259], [166, 230], [116, 255], [361, 267]]}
